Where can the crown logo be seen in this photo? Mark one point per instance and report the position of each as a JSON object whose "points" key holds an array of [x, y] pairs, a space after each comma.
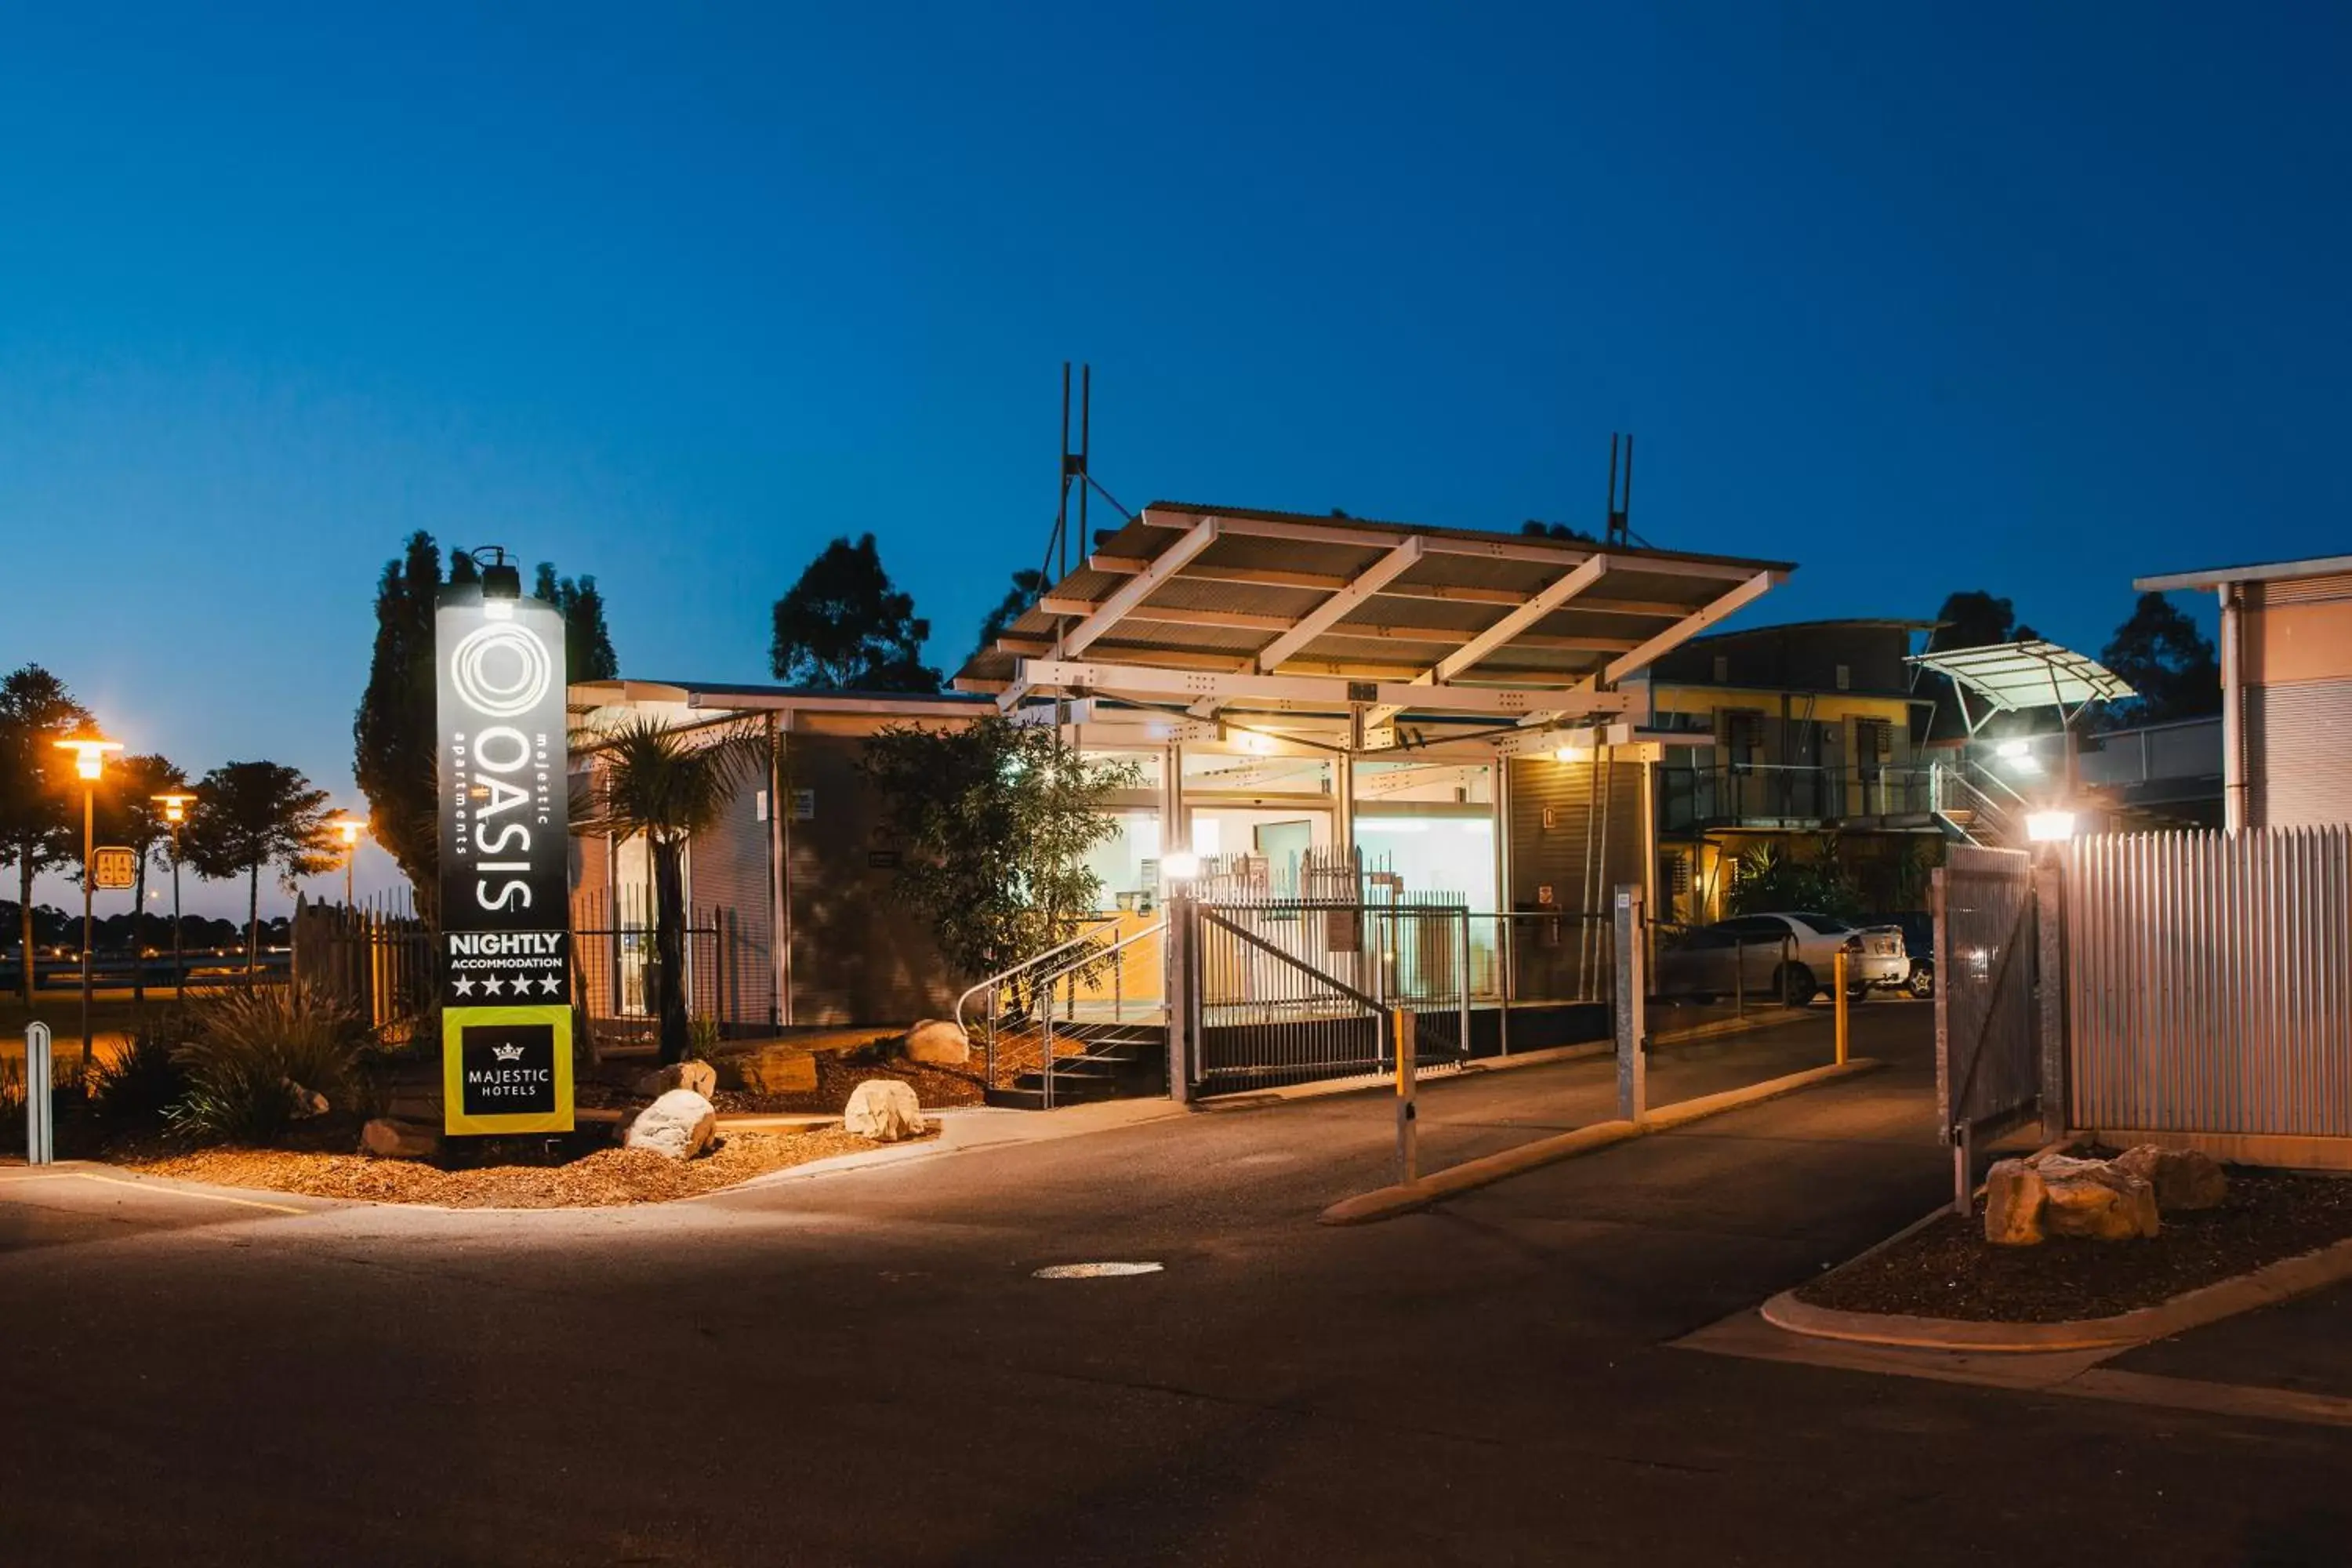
{"points": [[506, 1053]]}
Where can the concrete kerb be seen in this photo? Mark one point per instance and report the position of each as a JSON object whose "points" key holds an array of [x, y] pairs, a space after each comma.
{"points": [[1381, 1083], [2264, 1287], [1386, 1203]]}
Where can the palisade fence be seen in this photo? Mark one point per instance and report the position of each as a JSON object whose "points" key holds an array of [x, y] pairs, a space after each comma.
{"points": [[2209, 982], [376, 957], [617, 979], [381, 959]]}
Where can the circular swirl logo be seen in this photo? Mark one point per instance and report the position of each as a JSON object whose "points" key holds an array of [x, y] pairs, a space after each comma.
{"points": [[501, 670]]}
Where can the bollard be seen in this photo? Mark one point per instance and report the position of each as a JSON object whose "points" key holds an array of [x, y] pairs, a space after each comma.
{"points": [[1840, 969], [1400, 1030], [40, 1129]]}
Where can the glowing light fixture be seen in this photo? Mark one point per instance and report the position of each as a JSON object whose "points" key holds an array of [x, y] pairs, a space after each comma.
{"points": [[89, 753], [2049, 826], [1180, 865], [348, 830], [175, 806], [2016, 749], [1572, 754]]}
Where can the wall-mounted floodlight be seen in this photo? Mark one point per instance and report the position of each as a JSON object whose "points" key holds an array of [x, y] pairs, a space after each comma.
{"points": [[2049, 826], [1180, 865], [2015, 749]]}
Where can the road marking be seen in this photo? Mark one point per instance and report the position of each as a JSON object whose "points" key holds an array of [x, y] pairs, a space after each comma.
{"points": [[151, 1187], [1094, 1271]]}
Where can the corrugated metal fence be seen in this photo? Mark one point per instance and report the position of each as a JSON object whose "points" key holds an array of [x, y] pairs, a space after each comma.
{"points": [[2210, 981]]}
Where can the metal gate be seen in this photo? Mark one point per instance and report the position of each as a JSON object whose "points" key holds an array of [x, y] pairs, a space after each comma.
{"points": [[1988, 1058], [1289, 990]]}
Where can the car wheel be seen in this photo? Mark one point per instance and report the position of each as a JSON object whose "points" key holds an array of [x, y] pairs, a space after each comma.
{"points": [[1922, 983], [1793, 984], [1857, 992]]}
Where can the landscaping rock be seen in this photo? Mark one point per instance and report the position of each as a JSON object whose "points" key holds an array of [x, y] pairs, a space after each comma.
{"points": [[699, 1077], [679, 1125], [2091, 1198], [882, 1109], [2013, 1196], [390, 1140], [934, 1040], [773, 1070], [2184, 1179]]}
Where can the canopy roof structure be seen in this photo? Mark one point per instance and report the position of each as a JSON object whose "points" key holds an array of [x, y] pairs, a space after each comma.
{"points": [[1207, 611], [2007, 678]]}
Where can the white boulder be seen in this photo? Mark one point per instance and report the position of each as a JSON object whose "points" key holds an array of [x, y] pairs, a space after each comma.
{"points": [[885, 1110], [937, 1041], [678, 1125]]}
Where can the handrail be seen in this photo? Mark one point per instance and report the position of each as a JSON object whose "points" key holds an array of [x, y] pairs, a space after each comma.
{"points": [[1091, 959], [993, 980]]}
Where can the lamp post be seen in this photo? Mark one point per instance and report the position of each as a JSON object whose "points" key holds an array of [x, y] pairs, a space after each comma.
{"points": [[349, 830], [175, 812], [89, 762]]}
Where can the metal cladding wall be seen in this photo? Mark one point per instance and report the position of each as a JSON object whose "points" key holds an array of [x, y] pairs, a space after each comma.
{"points": [[1561, 853], [2299, 739], [727, 883], [2209, 980], [858, 955]]}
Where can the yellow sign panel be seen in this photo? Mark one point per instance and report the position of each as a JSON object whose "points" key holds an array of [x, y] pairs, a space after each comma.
{"points": [[113, 868], [506, 1069]]}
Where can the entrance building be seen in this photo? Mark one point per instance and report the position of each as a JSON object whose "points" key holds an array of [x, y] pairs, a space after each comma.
{"points": [[1317, 711]]}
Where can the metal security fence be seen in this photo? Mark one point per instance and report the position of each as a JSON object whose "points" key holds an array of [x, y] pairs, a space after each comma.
{"points": [[1987, 1046], [1288, 990], [617, 972], [2209, 982]]}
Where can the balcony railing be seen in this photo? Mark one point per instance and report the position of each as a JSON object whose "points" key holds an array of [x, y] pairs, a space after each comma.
{"points": [[1726, 794]]}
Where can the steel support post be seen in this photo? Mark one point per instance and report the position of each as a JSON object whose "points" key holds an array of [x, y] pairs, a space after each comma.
{"points": [[1401, 1036], [1633, 1020]]}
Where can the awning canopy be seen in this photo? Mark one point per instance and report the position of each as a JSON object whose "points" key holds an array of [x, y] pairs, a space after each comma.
{"points": [[1208, 610], [2007, 678]]}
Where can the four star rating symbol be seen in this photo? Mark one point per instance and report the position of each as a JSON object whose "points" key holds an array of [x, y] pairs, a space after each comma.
{"points": [[466, 985]]}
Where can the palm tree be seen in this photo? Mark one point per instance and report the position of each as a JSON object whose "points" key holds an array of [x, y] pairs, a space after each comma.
{"points": [[669, 784], [251, 814]]}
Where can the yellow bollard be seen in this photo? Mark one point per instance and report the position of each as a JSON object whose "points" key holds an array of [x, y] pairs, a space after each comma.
{"points": [[1839, 970]]}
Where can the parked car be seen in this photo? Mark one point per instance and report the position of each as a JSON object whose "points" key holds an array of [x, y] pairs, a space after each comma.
{"points": [[1919, 941], [1792, 956]]}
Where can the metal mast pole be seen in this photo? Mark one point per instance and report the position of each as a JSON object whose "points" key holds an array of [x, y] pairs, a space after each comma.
{"points": [[89, 839]]}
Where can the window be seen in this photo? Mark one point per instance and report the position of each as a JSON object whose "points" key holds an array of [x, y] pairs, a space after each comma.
{"points": [[1828, 925], [1722, 669], [1742, 733], [1873, 744], [1845, 677]]}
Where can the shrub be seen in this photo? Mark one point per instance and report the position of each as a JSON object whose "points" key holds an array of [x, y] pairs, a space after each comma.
{"points": [[702, 1038], [142, 1083], [248, 1050]]}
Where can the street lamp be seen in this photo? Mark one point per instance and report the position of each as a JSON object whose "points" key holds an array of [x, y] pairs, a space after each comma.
{"points": [[349, 830], [175, 812], [89, 762]]}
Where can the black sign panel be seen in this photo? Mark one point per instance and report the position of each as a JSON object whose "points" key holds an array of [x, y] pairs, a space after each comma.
{"points": [[510, 1069], [505, 904]]}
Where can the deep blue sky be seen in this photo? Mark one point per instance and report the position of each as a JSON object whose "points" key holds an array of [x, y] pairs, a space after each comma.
{"points": [[2034, 299]]}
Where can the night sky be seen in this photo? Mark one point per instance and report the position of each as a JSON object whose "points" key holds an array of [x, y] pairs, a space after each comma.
{"points": [[2034, 299]]}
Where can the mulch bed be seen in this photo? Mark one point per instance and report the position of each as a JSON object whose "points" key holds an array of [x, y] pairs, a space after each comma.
{"points": [[837, 1076], [517, 1173], [1948, 1269]]}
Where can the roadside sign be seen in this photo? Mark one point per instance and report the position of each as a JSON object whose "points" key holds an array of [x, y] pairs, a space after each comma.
{"points": [[113, 868]]}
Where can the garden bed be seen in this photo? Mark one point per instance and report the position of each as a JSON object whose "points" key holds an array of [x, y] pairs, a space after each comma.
{"points": [[1946, 1268], [512, 1174], [838, 1075]]}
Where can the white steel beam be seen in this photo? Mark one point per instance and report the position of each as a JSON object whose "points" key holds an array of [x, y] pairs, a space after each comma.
{"points": [[1363, 536], [1689, 627], [1305, 693], [1444, 592], [1320, 620], [1547, 599], [1133, 592]]}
